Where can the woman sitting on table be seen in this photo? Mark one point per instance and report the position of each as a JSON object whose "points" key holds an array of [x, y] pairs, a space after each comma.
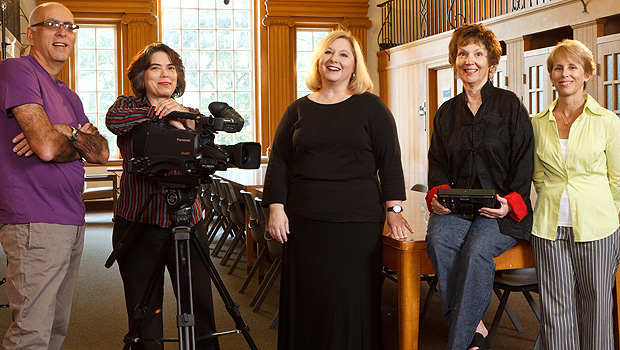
{"points": [[482, 139], [327, 206], [575, 233], [156, 75]]}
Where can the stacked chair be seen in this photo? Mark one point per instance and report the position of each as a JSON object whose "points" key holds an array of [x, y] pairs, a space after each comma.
{"points": [[217, 203], [236, 214], [233, 226], [268, 247]]}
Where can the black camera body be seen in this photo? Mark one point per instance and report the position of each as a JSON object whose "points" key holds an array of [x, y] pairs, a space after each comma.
{"points": [[159, 148], [467, 202]]}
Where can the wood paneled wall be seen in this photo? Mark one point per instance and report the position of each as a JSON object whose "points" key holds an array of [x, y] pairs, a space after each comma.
{"points": [[282, 19]]}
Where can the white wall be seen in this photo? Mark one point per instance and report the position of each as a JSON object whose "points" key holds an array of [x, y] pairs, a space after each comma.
{"points": [[27, 7], [374, 14]]}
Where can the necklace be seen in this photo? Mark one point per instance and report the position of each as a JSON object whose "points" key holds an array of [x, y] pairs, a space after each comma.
{"points": [[564, 119]]}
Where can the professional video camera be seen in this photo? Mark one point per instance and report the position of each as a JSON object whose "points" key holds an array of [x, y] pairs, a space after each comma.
{"points": [[159, 147]]}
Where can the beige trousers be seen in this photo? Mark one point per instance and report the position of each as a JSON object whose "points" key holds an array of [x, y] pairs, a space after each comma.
{"points": [[42, 266]]}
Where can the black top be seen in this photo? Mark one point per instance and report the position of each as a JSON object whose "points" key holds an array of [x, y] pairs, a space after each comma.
{"points": [[325, 158], [491, 150]]}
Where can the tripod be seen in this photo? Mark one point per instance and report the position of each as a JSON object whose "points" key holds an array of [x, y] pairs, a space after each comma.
{"points": [[180, 197]]}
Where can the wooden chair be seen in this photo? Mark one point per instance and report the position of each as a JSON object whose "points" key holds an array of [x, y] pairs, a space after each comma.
{"points": [[101, 192]]}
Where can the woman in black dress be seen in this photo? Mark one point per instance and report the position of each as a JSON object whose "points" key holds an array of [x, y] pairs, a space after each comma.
{"points": [[334, 169]]}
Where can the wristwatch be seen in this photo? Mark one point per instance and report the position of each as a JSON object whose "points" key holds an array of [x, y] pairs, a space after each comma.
{"points": [[396, 209], [74, 134]]}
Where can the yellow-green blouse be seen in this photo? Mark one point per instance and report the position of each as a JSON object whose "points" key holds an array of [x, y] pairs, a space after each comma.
{"points": [[591, 172]]}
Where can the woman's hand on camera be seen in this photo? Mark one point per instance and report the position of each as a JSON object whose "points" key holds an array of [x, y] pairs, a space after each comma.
{"points": [[498, 213], [437, 207], [278, 222], [165, 107]]}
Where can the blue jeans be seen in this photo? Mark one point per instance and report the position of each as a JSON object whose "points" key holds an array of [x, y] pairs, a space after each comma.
{"points": [[462, 253]]}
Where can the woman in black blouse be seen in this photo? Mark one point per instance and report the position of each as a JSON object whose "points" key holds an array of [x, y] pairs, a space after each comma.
{"points": [[334, 168], [482, 139]]}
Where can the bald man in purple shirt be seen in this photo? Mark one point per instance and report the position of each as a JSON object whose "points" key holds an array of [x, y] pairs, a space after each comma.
{"points": [[44, 138]]}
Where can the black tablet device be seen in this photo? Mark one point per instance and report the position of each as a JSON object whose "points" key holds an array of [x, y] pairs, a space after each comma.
{"points": [[467, 202]]}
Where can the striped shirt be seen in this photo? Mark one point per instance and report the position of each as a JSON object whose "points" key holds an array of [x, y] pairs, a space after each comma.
{"points": [[125, 113]]}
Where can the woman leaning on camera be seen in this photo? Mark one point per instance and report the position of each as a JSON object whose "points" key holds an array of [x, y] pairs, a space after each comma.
{"points": [[482, 139], [156, 75], [575, 232]]}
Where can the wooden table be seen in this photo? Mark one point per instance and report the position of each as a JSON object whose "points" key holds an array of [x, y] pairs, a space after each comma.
{"points": [[247, 180], [410, 261]]}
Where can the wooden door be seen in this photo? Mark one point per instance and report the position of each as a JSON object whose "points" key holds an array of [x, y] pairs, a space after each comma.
{"points": [[442, 87], [538, 92], [609, 66], [499, 78]]}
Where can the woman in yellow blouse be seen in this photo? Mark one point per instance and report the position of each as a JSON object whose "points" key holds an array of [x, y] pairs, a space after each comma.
{"points": [[575, 231]]}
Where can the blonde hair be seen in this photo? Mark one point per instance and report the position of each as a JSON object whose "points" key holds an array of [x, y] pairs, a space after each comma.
{"points": [[573, 49], [360, 81]]}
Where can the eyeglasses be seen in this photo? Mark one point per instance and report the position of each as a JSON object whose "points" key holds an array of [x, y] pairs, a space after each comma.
{"points": [[54, 25]]}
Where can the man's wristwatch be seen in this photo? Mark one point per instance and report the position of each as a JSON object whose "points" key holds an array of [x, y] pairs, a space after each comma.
{"points": [[396, 209], [74, 134]]}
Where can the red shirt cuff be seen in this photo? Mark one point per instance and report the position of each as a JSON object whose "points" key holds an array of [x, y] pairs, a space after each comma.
{"points": [[519, 210], [431, 194]]}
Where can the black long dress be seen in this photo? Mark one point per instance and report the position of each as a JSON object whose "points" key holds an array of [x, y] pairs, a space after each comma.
{"points": [[323, 167]]}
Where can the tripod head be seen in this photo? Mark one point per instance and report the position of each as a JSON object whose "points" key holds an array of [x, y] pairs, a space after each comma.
{"points": [[180, 193], [180, 199]]}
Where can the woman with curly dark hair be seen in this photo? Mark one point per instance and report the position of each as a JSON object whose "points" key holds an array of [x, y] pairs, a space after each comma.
{"points": [[157, 76], [482, 139]]}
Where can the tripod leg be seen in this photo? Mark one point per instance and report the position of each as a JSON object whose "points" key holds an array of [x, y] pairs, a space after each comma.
{"points": [[183, 287], [231, 307], [142, 308]]}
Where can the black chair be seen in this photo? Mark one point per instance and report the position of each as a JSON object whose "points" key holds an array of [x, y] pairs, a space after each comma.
{"points": [[217, 202], [236, 214], [275, 249], [506, 282], [257, 228]]}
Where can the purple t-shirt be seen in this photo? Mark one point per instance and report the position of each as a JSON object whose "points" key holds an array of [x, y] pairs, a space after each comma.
{"points": [[32, 190]]}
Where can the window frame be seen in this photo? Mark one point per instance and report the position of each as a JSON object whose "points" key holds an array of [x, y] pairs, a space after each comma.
{"points": [[253, 69]]}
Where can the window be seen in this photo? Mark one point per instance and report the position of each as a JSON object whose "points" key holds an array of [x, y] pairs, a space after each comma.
{"points": [[97, 76], [216, 43], [307, 40], [611, 82]]}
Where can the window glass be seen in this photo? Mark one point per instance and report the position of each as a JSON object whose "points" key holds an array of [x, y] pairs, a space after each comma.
{"points": [[306, 42], [97, 75], [216, 43]]}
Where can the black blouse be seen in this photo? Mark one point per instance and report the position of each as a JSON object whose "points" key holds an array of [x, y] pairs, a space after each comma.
{"points": [[325, 160], [492, 150]]}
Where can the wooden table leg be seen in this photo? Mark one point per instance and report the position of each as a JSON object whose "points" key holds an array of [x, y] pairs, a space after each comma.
{"points": [[408, 298]]}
